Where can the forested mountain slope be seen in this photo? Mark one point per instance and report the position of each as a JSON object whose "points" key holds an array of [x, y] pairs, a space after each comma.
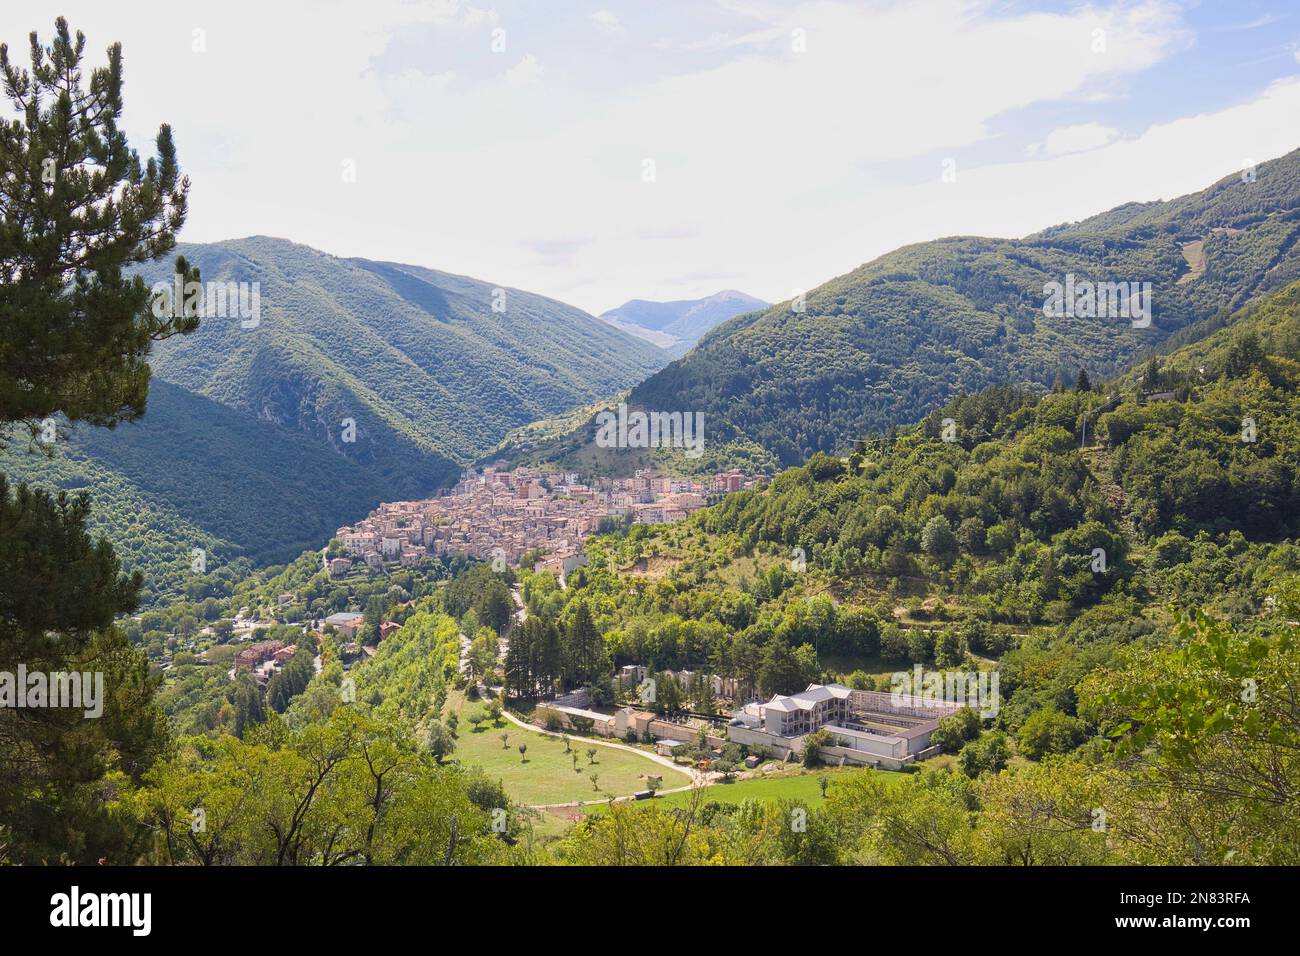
{"points": [[905, 332], [1191, 463], [429, 372], [195, 474]]}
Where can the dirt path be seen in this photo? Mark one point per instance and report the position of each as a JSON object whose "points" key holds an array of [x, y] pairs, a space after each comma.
{"points": [[698, 777]]}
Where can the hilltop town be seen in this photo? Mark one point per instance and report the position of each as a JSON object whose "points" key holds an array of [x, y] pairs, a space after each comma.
{"points": [[502, 515]]}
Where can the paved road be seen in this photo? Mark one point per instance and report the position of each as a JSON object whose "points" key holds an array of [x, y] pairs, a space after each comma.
{"points": [[521, 609]]}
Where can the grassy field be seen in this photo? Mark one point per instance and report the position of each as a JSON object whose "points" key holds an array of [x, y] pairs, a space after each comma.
{"points": [[802, 786], [789, 786], [547, 774]]}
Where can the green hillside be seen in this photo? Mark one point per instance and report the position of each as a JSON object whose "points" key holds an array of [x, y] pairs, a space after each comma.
{"points": [[431, 375], [1000, 522], [905, 332], [195, 474]]}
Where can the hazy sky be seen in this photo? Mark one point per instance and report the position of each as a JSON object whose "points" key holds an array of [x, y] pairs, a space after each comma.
{"points": [[789, 141]]}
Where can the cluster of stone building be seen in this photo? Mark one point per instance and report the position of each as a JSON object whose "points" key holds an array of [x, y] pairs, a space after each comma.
{"points": [[262, 652], [262, 659], [499, 514], [348, 625]]}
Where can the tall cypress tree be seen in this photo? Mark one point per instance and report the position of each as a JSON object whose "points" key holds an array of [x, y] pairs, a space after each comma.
{"points": [[518, 670], [584, 650], [548, 662]]}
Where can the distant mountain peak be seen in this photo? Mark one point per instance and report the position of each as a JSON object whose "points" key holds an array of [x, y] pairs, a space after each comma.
{"points": [[678, 324]]}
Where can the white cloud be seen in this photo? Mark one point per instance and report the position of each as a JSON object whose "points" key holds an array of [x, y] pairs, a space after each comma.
{"points": [[608, 22], [526, 72], [768, 160], [1167, 160], [1075, 139], [1264, 20], [412, 86]]}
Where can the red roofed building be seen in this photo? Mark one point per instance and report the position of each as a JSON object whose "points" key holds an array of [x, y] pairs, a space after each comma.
{"points": [[250, 657]]}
